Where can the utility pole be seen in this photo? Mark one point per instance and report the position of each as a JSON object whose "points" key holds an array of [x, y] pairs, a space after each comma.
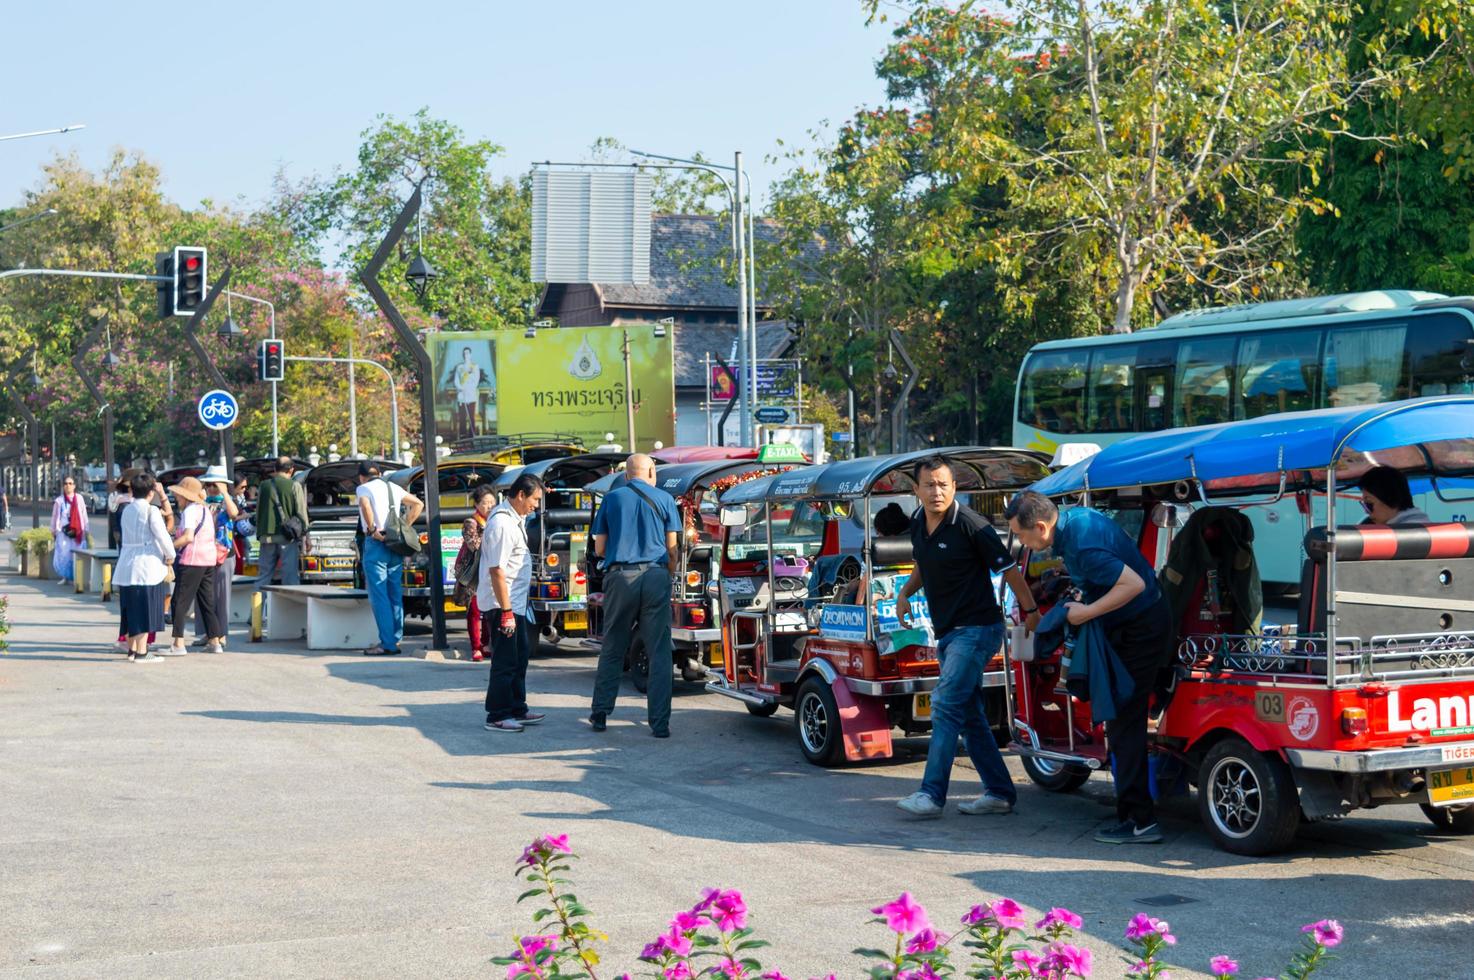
{"points": [[352, 403], [747, 380], [629, 393]]}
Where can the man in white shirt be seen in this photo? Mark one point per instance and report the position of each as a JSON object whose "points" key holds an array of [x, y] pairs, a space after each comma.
{"points": [[383, 570], [502, 587]]}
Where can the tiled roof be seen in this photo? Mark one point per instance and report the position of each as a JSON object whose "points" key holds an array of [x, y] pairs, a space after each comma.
{"points": [[689, 254], [694, 341]]}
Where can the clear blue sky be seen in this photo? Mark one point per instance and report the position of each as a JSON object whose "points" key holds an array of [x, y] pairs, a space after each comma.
{"points": [[292, 84]]}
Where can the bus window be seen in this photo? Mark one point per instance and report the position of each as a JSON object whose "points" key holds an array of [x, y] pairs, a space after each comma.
{"points": [[1277, 371], [1110, 398], [1053, 398], [1364, 366], [1204, 368], [1440, 356]]}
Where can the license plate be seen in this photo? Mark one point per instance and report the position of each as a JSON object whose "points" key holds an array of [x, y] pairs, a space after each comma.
{"points": [[338, 563], [1449, 787], [714, 655], [921, 707], [575, 621]]}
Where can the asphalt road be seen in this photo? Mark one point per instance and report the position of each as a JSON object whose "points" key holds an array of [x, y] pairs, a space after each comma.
{"points": [[275, 812]]}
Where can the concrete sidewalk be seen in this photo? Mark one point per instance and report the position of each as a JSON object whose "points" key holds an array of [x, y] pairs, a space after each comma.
{"points": [[271, 812]]}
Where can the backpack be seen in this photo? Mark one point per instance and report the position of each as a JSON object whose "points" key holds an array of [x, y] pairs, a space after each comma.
{"points": [[399, 537]]}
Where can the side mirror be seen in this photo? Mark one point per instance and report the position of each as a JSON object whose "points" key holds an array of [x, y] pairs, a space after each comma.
{"points": [[734, 516]]}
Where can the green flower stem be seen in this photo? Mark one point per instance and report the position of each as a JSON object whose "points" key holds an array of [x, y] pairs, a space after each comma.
{"points": [[568, 932]]}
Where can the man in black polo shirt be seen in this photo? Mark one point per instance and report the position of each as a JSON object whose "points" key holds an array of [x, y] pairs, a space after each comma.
{"points": [[956, 551]]}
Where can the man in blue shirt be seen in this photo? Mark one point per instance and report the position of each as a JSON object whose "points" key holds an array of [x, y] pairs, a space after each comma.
{"points": [[1120, 589], [635, 532]]}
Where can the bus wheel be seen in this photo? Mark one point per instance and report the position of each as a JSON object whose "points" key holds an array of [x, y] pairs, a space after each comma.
{"points": [[1057, 777], [762, 710], [639, 664], [816, 716], [1451, 819], [1247, 799]]}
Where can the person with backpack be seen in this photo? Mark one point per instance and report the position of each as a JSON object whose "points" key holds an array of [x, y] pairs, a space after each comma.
{"points": [[468, 567], [635, 531], [225, 513], [281, 525], [199, 558], [386, 514]]}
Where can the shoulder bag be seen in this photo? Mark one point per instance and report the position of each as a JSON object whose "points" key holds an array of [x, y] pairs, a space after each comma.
{"points": [[399, 537], [292, 528]]}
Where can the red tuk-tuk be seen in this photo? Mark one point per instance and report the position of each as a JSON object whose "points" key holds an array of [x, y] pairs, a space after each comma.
{"points": [[794, 546], [1362, 697]]}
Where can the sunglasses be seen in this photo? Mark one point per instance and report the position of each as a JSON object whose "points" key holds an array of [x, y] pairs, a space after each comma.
{"points": [[1367, 505]]}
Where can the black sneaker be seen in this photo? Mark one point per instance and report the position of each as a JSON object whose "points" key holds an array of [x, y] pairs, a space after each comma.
{"points": [[1127, 832], [660, 732], [598, 721]]}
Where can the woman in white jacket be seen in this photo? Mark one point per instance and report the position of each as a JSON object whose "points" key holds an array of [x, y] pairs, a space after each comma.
{"points": [[143, 563]]}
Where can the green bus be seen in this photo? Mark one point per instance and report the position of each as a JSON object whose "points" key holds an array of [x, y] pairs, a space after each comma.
{"points": [[1239, 362]]}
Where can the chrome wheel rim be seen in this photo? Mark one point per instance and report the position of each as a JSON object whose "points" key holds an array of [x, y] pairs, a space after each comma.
{"points": [[813, 723], [1235, 798]]}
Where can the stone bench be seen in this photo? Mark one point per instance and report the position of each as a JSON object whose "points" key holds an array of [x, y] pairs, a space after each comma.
{"points": [[88, 568], [328, 618]]}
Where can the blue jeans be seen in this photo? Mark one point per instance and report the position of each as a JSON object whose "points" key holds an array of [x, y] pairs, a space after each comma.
{"points": [[957, 707], [383, 576]]}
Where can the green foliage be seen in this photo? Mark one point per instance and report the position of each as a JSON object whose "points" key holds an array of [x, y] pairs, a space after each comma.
{"points": [[36, 541], [477, 228]]}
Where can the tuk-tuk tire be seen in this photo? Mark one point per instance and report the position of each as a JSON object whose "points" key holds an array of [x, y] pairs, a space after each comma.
{"points": [[1057, 777], [762, 710], [639, 664], [1451, 819], [815, 705], [1235, 760]]}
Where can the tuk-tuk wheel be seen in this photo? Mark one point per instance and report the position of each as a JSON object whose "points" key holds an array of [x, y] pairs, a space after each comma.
{"points": [[639, 664], [1247, 799], [1057, 777], [762, 710], [816, 716], [1451, 819]]}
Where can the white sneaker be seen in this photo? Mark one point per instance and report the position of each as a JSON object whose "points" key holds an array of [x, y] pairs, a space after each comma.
{"points": [[919, 804], [214, 648], [174, 652], [987, 803], [147, 658]]}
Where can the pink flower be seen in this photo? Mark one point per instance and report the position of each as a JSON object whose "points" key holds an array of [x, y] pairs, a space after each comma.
{"points": [[727, 910], [1327, 932], [1026, 960], [515, 970], [1059, 917], [904, 915], [1143, 926], [680, 970], [924, 972], [1068, 960], [925, 940], [557, 845], [1223, 966], [729, 968], [544, 847], [530, 946], [688, 921], [1008, 914], [774, 975], [652, 951], [676, 942]]}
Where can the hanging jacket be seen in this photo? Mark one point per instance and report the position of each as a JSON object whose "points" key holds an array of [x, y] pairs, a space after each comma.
{"points": [[1096, 673], [1193, 556]]}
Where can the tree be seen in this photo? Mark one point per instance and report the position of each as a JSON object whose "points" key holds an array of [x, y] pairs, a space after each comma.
{"points": [[1155, 144], [477, 228], [671, 191]]}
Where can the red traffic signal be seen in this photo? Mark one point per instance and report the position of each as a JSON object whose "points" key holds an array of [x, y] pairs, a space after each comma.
{"points": [[189, 279], [272, 360]]}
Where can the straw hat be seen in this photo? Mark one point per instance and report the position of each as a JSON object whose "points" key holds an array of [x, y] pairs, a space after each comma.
{"points": [[216, 475], [190, 489]]}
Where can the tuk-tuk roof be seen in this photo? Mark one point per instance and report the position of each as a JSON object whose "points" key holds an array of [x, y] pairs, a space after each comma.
{"points": [[1251, 454], [679, 479], [793, 484], [341, 475], [610, 481], [702, 454], [976, 468], [564, 472]]}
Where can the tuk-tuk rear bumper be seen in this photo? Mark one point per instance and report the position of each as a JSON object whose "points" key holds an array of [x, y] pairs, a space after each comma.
{"points": [[912, 685], [547, 605], [1382, 760], [686, 635]]}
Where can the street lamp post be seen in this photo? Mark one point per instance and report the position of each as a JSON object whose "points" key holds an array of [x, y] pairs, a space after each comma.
{"points": [[33, 430], [393, 394], [91, 384], [44, 132]]}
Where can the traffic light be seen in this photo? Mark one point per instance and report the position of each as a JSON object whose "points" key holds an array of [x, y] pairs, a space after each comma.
{"points": [[273, 360], [164, 269], [189, 279]]}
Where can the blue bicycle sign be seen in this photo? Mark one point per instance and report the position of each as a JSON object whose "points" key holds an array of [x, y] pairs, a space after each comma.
{"points": [[218, 409]]}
